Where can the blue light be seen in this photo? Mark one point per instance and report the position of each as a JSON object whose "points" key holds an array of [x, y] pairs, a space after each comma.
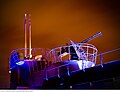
{"points": [[20, 63]]}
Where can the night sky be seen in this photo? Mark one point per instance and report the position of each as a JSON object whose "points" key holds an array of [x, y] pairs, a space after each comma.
{"points": [[53, 22]]}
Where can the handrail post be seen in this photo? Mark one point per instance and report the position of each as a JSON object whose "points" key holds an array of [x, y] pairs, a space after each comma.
{"points": [[83, 65], [101, 60]]}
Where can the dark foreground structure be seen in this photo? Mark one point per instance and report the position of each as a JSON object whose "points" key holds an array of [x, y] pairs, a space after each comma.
{"points": [[106, 76], [98, 77]]}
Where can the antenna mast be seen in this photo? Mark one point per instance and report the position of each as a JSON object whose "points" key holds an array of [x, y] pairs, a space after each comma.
{"points": [[29, 31], [29, 35], [25, 35]]}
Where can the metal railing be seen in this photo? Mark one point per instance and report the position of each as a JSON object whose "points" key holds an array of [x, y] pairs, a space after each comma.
{"points": [[58, 54], [18, 55], [67, 65]]}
